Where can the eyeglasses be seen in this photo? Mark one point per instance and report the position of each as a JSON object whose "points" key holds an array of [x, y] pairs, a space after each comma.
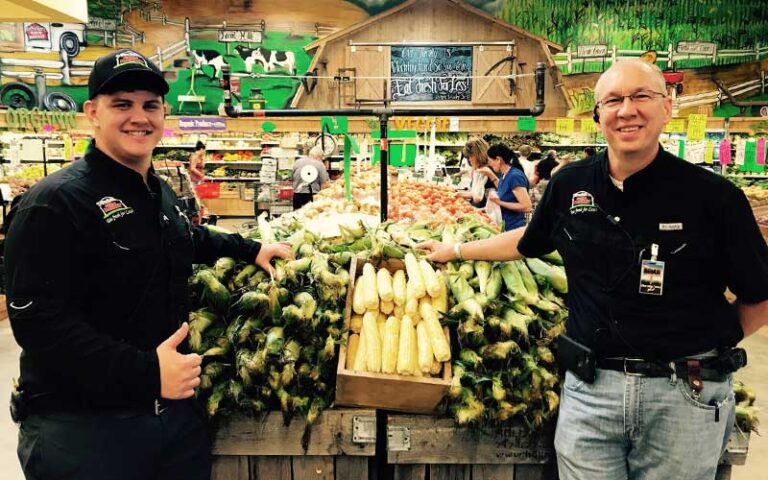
{"points": [[643, 96]]}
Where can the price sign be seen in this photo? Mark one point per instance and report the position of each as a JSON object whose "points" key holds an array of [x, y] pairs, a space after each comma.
{"points": [[676, 125], [697, 124], [526, 124], [564, 126], [588, 125]]}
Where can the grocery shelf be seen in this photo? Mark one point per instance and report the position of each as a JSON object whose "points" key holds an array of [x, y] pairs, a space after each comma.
{"points": [[576, 145], [232, 179], [182, 145], [236, 162], [232, 148]]}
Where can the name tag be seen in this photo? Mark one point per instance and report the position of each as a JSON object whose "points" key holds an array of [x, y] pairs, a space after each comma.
{"points": [[669, 227], [652, 277]]}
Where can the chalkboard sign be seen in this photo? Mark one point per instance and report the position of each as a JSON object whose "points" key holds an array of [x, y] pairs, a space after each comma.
{"points": [[431, 73]]}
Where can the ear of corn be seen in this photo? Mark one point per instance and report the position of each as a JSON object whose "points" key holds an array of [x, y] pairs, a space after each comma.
{"points": [[384, 285], [390, 345], [361, 356], [358, 298], [370, 291], [404, 360], [352, 344], [399, 311], [425, 355], [415, 356], [431, 281], [356, 323], [440, 345], [414, 276], [386, 307], [372, 342], [399, 287], [440, 302]]}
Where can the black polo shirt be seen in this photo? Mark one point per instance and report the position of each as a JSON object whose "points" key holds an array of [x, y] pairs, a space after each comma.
{"points": [[707, 238], [97, 265]]}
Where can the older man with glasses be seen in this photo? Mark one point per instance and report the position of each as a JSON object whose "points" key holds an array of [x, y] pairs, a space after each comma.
{"points": [[650, 243]]}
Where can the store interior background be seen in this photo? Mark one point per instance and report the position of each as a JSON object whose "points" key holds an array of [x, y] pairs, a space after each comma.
{"points": [[576, 39]]}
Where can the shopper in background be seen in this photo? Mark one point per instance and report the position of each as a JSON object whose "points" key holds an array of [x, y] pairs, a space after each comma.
{"points": [[302, 191], [197, 164], [650, 242], [98, 257], [512, 194], [564, 160], [528, 166], [483, 178], [587, 153]]}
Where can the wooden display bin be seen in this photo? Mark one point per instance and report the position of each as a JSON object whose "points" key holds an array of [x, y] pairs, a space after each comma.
{"points": [[428, 448], [341, 444], [381, 390]]}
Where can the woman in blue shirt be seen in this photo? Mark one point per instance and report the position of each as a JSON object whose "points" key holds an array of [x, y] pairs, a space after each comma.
{"points": [[512, 195]]}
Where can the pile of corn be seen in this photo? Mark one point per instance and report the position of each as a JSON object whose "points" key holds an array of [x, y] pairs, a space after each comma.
{"points": [[507, 316], [270, 343], [746, 412], [395, 327]]}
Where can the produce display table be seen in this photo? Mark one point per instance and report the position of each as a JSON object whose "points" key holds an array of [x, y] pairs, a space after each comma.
{"points": [[341, 443]]}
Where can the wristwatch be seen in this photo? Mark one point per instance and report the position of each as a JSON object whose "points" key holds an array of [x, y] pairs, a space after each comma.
{"points": [[457, 251]]}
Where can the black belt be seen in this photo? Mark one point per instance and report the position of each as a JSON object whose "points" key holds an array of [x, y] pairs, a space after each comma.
{"points": [[644, 368]]}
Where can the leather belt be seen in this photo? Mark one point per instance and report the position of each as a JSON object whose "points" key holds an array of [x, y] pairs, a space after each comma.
{"points": [[644, 368]]}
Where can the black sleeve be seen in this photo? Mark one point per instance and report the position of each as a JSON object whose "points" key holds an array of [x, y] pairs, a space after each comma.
{"points": [[210, 246], [537, 239], [745, 250], [47, 301]]}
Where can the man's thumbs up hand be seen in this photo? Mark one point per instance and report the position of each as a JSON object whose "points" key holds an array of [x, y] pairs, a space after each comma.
{"points": [[179, 374]]}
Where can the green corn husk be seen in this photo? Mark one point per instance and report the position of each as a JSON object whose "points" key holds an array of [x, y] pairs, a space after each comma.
{"points": [[467, 270], [483, 271], [499, 350], [251, 303], [470, 358], [275, 340], [497, 388], [249, 326], [454, 391], [244, 275], [545, 354], [493, 289], [215, 294], [514, 283], [217, 396], [222, 347], [554, 276], [224, 268], [460, 288], [211, 372]]}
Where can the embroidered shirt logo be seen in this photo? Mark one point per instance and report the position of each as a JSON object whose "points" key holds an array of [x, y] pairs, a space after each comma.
{"points": [[670, 227], [582, 202], [113, 208], [129, 57]]}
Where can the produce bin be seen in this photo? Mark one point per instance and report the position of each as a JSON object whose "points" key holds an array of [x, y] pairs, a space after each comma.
{"points": [[381, 390], [208, 190], [341, 446]]}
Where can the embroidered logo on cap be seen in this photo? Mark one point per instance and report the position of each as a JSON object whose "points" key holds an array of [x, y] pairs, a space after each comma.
{"points": [[113, 208], [129, 57], [582, 202]]}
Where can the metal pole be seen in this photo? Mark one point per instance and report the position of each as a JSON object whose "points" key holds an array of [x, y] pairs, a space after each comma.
{"points": [[384, 147]]}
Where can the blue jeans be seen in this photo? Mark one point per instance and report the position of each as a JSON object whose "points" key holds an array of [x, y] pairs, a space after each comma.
{"points": [[639, 428]]}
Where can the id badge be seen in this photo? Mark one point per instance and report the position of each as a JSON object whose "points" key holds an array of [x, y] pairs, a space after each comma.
{"points": [[652, 277]]}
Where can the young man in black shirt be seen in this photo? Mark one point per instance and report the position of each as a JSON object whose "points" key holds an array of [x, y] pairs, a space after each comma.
{"points": [[650, 243], [98, 256]]}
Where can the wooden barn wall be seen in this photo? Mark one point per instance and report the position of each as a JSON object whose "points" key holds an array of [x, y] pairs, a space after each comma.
{"points": [[431, 22]]}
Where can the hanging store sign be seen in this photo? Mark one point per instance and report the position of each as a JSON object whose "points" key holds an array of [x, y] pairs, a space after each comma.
{"points": [[591, 51], [245, 36], [699, 48], [22, 118], [422, 123], [202, 124], [434, 73]]}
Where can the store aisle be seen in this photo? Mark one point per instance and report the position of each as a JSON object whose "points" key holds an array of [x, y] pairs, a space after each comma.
{"points": [[9, 368]]}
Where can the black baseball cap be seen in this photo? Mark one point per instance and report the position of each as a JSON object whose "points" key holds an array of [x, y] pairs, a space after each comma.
{"points": [[125, 69]]}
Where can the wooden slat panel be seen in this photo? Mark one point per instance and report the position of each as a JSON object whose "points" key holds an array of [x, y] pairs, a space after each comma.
{"points": [[351, 467], [313, 468], [230, 467], [271, 468], [411, 472], [331, 435], [439, 441], [723, 472], [493, 472], [532, 472], [450, 472]]}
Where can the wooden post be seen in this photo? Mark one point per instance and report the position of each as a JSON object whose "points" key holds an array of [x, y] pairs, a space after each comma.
{"points": [[186, 34], [670, 57], [614, 51], [569, 59], [714, 55], [160, 57]]}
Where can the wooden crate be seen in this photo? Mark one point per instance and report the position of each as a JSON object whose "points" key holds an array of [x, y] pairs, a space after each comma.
{"points": [[428, 448], [381, 390], [341, 444]]}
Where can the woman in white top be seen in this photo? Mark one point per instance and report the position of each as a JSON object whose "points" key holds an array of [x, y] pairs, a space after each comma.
{"points": [[483, 178]]}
